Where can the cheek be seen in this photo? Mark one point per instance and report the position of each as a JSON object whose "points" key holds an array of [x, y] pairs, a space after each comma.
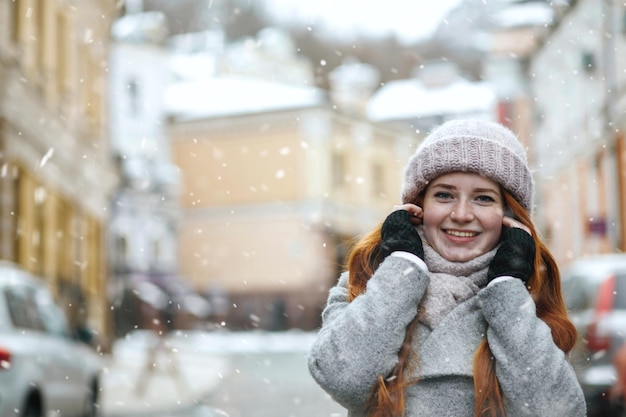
{"points": [[430, 222], [494, 227], [428, 218], [431, 213]]}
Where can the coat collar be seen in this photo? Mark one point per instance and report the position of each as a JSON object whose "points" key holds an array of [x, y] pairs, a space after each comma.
{"points": [[449, 349]]}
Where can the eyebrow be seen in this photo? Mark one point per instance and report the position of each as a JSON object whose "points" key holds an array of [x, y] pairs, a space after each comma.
{"points": [[475, 190]]}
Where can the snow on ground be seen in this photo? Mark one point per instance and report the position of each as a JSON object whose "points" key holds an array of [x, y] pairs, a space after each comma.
{"points": [[221, 341]]}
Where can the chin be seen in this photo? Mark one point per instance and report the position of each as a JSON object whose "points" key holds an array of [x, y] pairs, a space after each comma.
{"points": [[461, 257]]}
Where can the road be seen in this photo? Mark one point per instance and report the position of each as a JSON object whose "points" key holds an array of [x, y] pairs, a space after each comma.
{"points": [[272, 384], [215, 374]]}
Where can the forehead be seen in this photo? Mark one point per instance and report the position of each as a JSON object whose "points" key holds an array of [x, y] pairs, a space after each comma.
{"points": [[465, 180]]}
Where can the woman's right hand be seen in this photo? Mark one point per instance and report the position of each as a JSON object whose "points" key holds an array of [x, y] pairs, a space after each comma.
{"points": [[415, 211], [398, 232]]}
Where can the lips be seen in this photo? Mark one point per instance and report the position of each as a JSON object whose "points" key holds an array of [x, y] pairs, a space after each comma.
{"points": [[460, 233]]}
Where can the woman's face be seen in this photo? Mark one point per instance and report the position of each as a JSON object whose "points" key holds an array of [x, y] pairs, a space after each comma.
{"points": [[462, 215]]}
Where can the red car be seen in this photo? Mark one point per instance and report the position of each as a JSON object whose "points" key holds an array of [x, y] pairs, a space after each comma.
{"points": [[594, 289]]}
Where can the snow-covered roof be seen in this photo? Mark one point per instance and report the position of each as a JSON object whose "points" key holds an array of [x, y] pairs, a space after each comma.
{"points": [[527, 14], [355, 72], [222, 96], [404, 99], [148, 27]]}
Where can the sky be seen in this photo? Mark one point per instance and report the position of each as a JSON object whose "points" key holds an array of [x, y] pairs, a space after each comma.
{"points": [[408, 20]]}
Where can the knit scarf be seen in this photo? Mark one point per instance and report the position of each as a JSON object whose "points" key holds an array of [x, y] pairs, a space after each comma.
{"points": [[451, 283]]}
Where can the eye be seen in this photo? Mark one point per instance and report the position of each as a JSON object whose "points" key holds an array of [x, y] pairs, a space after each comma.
{"points": [[442, 195], [485, 199]]}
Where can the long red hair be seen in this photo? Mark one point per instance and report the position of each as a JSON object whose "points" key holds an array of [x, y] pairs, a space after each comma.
{"points": [[387, 399]]}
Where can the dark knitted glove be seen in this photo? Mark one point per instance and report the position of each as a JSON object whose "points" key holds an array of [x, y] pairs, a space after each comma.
{"points": [[399, 234], [515, 257]]}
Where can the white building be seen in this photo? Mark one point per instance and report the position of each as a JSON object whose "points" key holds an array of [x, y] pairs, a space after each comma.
{"points": [[437, 93], [578, 81], [145, 212]]}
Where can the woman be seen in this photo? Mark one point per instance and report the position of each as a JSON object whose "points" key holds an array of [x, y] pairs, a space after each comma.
{"points": [[452, 306]]}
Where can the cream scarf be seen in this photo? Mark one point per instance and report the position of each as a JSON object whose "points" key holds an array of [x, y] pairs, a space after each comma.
{"points": [[451, 283]]}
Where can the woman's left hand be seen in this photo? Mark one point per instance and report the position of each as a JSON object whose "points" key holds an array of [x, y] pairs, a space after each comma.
{"points": [[510, 222], [516, 256]]}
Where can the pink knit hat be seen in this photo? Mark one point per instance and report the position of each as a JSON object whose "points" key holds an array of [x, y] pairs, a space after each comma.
{"points": [[471, 145]]}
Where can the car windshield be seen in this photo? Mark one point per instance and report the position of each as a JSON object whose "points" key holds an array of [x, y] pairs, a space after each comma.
{"points": [[579, 291], [22, 309]]}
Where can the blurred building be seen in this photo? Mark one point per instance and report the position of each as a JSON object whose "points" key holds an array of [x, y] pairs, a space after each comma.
{"points": [[543, 60], [499, 38], [269, 55], [437, 93], [278, 177], [276, 185], [352, 85], [557, 69], [577, 78], [55, 169], [145, 287]]}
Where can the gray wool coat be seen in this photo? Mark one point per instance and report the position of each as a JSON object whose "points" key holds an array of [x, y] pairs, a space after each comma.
{"points": [[360, 340]]}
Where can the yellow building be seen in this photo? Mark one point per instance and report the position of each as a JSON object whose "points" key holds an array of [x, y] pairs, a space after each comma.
{"points": [[272, 197], [55, 172]]}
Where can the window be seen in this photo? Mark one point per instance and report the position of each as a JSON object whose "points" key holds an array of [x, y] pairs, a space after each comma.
{"points": [[588, 61], [40, 33], [15, 19], [65, 257], [133, 97], [38, 232], [22, 307], [378, 179], [339, 170], [156, 252], [94, 100], [121, 251], [62, 44], [17, 308]]}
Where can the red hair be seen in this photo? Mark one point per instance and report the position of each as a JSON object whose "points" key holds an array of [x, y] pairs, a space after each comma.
{"points": [[387, 399]]}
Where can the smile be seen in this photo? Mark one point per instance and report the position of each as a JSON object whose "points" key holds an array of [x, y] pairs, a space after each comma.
{"points": [[458, 233]]}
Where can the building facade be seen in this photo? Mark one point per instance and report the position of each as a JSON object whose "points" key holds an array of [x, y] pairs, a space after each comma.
{"points": [[146, 289], [578, 85], [56, 174], [557, 69], [272, 201], [276, 184]]}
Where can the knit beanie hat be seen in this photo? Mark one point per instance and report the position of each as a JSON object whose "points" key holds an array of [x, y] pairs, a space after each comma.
{"points": [[470, 145]]}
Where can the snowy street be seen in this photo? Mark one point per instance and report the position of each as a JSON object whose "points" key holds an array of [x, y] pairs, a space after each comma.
{"points": [[207, 374]]}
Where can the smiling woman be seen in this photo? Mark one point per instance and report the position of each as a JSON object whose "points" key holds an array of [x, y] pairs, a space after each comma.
{"points": [[450, 307], [463, 215], [408, 21]]}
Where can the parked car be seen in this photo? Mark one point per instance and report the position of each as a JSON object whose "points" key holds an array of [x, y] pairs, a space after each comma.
{"points": [[44, 371], [594, 289], [619, 389]]}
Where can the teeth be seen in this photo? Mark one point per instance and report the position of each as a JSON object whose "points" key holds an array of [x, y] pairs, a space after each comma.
{"points": [[460, 234]]}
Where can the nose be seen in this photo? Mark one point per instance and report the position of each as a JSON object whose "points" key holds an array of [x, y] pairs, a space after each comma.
{"points": [[462, 212]]}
